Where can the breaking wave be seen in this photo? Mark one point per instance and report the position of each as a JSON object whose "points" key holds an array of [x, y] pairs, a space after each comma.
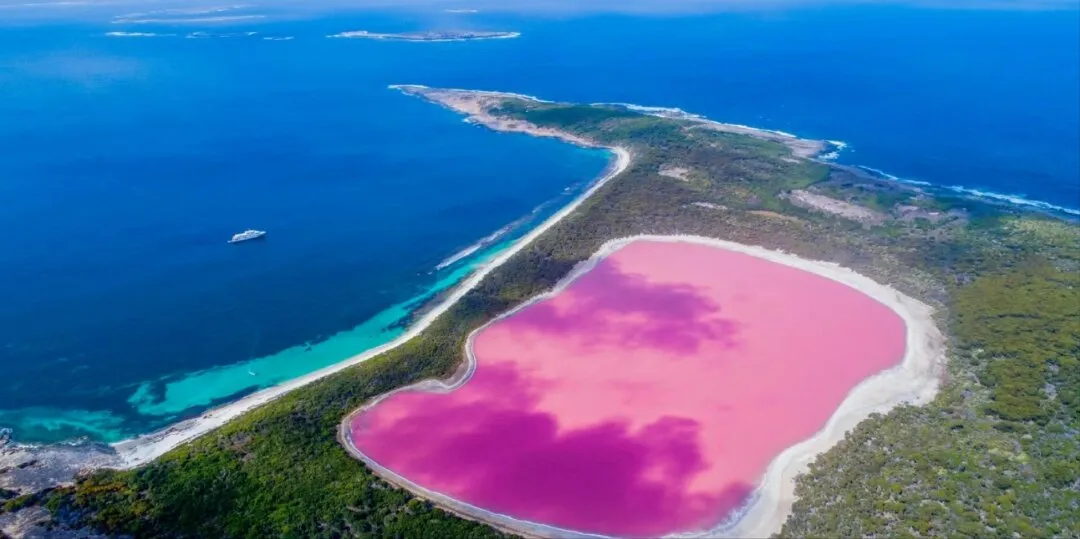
{"points": [[501, 233], [484, 242], [1018, 200]]}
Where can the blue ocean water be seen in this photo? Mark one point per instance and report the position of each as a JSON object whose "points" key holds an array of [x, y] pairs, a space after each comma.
{"points": [[130, 160]]}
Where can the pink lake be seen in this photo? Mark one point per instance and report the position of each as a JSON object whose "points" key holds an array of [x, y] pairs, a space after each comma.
{"points": [[647, 398]]}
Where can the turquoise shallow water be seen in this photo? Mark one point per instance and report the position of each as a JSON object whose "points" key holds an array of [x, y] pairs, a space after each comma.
{"points": [[204, 388], [130, 160], [171, 396], [137, 158]]}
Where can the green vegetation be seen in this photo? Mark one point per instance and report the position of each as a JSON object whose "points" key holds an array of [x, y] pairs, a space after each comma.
{"points": [[994, 455], [997, 453], [1038, 309], [16, 502]]}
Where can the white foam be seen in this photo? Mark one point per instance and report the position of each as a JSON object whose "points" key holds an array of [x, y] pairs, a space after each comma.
{"points": [[773, 131], [460, 255], [836, 146], [282, 38], [485, 241], [879, 173], [1015, 199], [136, 34], [351, 33], [1019, 200]]}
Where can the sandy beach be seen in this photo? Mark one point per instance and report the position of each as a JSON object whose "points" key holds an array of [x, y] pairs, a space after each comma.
{"points": [[915, 381]]}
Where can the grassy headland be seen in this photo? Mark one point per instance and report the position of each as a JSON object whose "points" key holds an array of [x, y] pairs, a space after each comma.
{"points": [[994, 455]]}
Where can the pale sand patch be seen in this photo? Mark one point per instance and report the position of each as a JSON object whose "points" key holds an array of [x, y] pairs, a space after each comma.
{"points": [[679, 173], [826, 204], [143, 449], [773, 215], [800, 147], [915, 381], [476, 104], [709, 205]]}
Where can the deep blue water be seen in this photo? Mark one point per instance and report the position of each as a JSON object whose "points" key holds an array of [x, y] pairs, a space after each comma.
{"points": [[129, 161]]}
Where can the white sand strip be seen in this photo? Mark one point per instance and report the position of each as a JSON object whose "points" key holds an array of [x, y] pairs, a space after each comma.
{"points": [[915, 381], [145, 448]]}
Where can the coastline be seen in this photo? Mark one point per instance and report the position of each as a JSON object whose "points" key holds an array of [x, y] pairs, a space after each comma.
{"points": [[771, 501], [828, 151], [800, 147], [914, 381], [142, 449]]}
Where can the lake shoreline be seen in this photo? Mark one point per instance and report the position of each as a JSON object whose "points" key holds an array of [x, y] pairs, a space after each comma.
{"points": [[914, 381]]}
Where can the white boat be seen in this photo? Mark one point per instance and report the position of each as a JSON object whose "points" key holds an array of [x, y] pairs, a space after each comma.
{"points": [[247, 235]]}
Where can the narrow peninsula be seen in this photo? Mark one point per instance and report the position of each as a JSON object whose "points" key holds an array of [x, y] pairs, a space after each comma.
{"points": [[942, 400]]}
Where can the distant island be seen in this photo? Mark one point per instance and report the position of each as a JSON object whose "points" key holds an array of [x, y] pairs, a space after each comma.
{"points": [[443, 35]]}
